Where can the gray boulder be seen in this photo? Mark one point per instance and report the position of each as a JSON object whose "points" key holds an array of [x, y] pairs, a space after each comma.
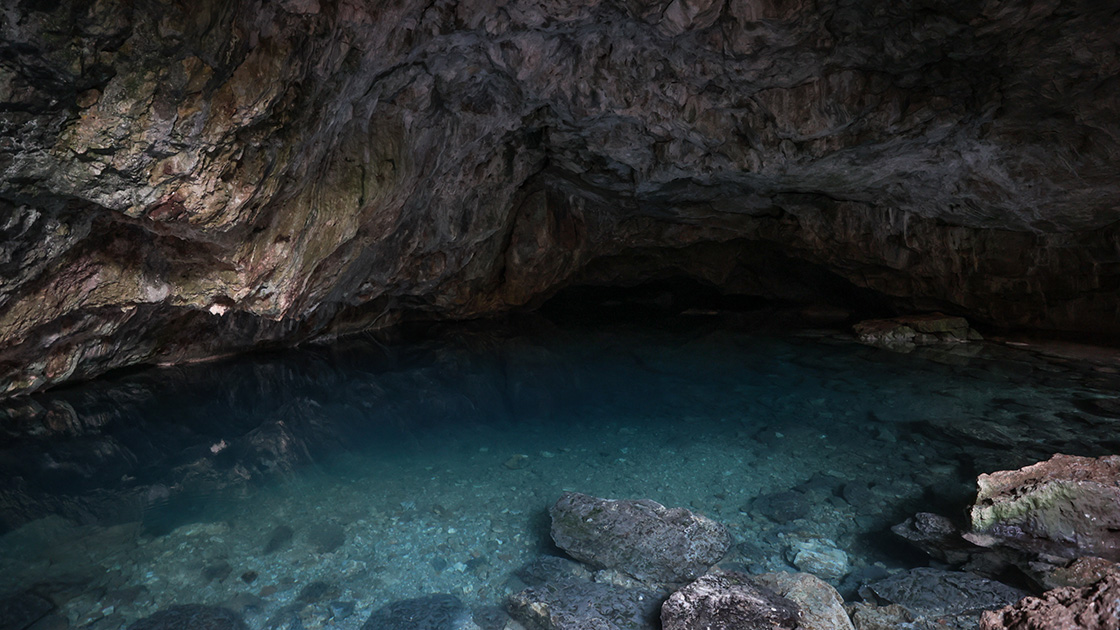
{"points": [[643, 539], [728, 601], [951, 599]]}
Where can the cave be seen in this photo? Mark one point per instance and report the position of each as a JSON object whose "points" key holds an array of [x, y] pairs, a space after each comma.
{"points": [[256, 253]]}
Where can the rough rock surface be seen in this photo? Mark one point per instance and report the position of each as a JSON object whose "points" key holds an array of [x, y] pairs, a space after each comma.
{"points": [[728, 601], [432, 612], [1089, 608], [906, 333], [1065, 506], [821, 606], [641, 538], [191, 617], [570, 603], [181, 181], [951, 599]]}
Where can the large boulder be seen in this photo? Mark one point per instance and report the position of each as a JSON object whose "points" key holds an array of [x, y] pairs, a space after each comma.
{"points": [[643, 539], [728, 601], [1094, 607], [1065, 506]]}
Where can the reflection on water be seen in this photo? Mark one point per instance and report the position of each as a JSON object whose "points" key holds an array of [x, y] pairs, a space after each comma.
{"points": [[315, 486]]}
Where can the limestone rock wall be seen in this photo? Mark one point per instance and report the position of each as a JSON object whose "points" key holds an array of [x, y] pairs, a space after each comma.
{"points": [[183, 179]]}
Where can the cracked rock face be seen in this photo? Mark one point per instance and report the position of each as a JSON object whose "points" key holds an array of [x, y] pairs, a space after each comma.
{"points": [[180, 180]]}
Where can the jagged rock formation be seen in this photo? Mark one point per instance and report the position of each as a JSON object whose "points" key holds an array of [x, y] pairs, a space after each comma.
{"points": [[182, 180]]}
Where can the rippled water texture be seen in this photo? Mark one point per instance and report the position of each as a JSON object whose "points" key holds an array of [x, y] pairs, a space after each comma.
{"points": [[315, 486]]}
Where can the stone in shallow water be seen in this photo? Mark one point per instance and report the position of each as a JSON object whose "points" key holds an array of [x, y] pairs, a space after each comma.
{"points": [[573, 604], [641, 538], [280, 538], [191, 617], [1095, 607], [728, 601], [1065, 506], [821, 557], [952, 598], [433, 612]]}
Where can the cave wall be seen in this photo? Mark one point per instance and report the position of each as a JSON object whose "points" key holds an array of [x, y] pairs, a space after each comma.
{"points": [[185, 179]]}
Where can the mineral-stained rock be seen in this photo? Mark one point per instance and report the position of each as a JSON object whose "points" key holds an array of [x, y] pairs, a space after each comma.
{"points": [[821, 606], [432, 612], [1065, 506], [641, 538], [191, 617], [1081, 572], [728, 601], [178, 182], [574, 604], [949, 598], [1095, 607]]}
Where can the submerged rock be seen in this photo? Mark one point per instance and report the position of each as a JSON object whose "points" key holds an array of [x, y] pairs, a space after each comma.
{"points": [[22, 610], [937, 536], [574, 604], [821, 557], [191, 617], [1065, 506], [641, 538], [1095, 607], [728, 601], [949, 598], [432, 612]]}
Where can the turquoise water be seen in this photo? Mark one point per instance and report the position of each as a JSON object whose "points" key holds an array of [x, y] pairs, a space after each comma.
{"points": [[308, 488]]}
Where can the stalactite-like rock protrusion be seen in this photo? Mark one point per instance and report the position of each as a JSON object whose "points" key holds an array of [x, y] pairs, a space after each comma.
{"points": [[183, 180]]}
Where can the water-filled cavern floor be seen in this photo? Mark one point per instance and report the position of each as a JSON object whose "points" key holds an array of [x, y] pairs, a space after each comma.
{"points": [[315, 486]]}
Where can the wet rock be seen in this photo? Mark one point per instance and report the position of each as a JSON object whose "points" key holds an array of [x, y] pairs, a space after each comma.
{"points": [[1081, 572], [937, 536], [279, 539], [641, 538], [573, 604], [821, 606], [1065, 506], [905, 333], [517, 462], [315, 591], [327, 537], [950, 598], [249, 577], [782, 507], [864, 616], [243, 603], [21, 610], [821, 557], [191, 617], [728, 601], [432, 612], [1095, 607], [342, 609]]}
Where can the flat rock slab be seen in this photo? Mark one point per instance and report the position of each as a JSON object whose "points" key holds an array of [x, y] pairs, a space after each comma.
{"points": [[642, 538], [191, 617], [728, 601], [933, 593], [1065, 506], [432, 612], [573, 604], [1094, 607]]}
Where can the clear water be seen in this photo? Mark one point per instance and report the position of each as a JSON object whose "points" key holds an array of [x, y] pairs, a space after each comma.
{"points": [[311, 487]]}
